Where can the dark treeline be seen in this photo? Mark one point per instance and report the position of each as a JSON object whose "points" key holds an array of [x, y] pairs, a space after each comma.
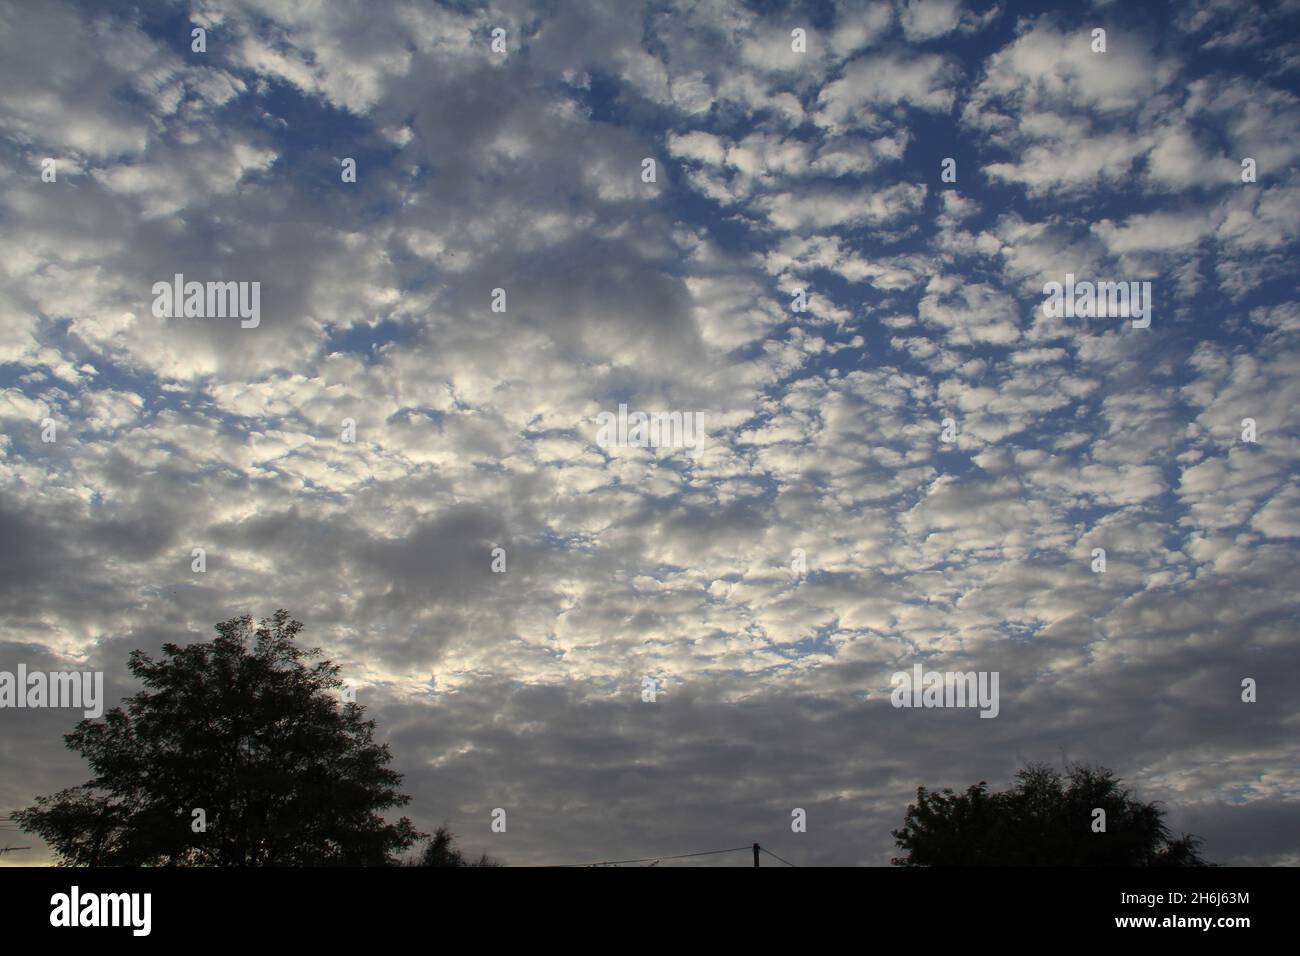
{"points": [[239, 751]]}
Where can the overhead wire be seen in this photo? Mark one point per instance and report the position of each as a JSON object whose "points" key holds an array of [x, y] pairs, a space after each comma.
{"points": [[656, 859], [771, 854]]}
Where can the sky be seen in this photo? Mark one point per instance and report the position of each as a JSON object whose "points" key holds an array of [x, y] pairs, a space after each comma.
{"points": [[915, 468]]}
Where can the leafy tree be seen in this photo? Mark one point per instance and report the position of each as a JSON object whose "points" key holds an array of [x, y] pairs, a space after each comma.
{"points": [[441, 850], [1045, 819], [244, 728]]}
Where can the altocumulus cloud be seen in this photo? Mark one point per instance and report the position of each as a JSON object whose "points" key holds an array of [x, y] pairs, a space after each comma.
{"points": [[837, 257]]}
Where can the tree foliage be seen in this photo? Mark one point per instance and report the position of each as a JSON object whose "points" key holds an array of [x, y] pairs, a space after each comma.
{"points": [[248, 728], [1045, 819], [441, 850]]}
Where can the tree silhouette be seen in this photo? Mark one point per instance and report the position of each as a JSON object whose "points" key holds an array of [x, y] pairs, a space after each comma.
{"points": [[441, 850], [1045, 819], [244, 729]]}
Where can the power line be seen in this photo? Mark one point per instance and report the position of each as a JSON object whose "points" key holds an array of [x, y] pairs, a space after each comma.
{"points": [[770, 853], [655, 859]]}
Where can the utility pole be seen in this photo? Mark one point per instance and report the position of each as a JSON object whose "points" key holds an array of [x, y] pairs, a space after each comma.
{"points": [[756, 854]]}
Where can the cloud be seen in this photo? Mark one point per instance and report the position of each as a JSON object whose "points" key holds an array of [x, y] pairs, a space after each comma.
{"points": [[475, 426]]}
